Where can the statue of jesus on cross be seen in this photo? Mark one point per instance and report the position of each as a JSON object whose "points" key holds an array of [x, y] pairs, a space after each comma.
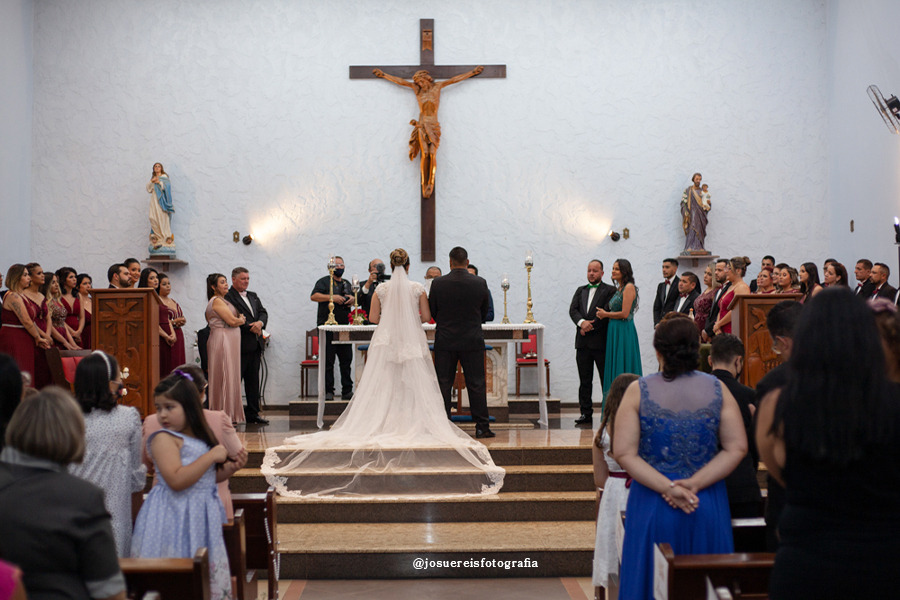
{"points": [[426, 135]]}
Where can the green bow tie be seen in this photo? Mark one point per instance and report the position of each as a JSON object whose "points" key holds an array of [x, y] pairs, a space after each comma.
{"points": [[593, 285]]}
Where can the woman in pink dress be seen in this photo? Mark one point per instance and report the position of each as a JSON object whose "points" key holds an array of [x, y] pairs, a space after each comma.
{"points": [[19, 336], [83, 284], [174, 321], [734, 272], [224, 350]]}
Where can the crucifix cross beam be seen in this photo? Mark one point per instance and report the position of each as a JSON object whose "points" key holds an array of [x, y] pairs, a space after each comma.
{"points": [[425, 138]]}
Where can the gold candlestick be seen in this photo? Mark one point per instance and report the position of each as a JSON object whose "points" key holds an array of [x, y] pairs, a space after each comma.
{"points": [[504, 284], [529, 263], [331, 265]]}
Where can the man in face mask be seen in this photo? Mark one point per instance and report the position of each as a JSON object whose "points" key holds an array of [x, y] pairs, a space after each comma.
{"points": [[343, 302]]}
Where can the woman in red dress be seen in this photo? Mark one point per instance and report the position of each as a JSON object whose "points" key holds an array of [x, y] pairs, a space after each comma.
{"points": [[83, 284], [734, 272], [175, 321], [35, 298], [57, 313], [150, 279], [19, 336], [68, 285]]}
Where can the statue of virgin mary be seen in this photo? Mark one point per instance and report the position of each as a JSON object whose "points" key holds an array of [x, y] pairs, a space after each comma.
{"points": [[162, 241]]}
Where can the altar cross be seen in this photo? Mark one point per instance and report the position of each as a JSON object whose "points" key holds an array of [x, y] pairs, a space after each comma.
{"points": [[426, 60]]}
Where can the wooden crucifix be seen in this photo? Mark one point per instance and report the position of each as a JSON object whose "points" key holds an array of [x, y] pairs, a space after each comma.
{"points": [[426, 134]]}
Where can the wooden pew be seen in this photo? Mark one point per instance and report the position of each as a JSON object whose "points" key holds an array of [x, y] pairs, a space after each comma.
{"points": [[174, 578], [235, 536], [747, 574], [260, 517]]}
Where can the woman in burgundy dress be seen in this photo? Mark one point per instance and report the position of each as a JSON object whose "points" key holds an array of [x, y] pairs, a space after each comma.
{"points": [[734, 272], [19, 336], [68, 285], [703, 303], [57, 312], [150, 279], [35, 297], [83, 284], [174, 321]]}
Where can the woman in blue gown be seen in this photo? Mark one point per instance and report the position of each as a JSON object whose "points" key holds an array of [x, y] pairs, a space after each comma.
{"points": [[623, 352], [679, 433]]}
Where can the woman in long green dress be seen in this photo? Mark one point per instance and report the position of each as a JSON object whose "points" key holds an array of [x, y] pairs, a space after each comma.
{"points": [[623, 352]]}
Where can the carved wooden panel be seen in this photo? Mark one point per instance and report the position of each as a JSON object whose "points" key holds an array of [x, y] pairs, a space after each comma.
{"points": [[125, 325], [749, 323]]}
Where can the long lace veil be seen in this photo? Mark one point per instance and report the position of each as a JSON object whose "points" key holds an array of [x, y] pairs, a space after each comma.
{"points": [[394, 438]]}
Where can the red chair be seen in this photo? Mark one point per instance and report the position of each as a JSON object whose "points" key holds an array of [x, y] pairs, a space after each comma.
{"points": [[311, 362], [62, 365], [526, 356]]}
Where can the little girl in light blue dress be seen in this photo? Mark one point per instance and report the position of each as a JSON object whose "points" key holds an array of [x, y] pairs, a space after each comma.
{"points": [[183, 513]]}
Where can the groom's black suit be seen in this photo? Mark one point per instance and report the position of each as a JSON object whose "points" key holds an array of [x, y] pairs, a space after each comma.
{"points": [[459, 305]]}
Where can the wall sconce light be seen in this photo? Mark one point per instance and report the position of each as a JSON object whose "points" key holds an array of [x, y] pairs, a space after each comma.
{"points": [[626, 233], [247, 239], [614, 236], [236, 237]]}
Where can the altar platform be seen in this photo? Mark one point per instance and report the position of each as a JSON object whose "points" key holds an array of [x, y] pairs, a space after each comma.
{"points": [[545, 512]]}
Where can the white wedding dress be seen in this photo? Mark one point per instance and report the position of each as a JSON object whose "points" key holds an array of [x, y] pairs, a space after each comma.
{"points": [[394, 438]]}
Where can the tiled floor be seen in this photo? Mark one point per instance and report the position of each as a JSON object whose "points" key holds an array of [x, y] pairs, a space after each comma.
{"points": [[550, 588]]}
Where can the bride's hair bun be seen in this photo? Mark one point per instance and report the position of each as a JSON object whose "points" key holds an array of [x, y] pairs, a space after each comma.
{"points": [[399, 258]]}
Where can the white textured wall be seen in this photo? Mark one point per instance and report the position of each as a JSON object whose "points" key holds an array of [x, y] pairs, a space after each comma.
{"points": [[607, 109], [16, 27], [863, 154]]}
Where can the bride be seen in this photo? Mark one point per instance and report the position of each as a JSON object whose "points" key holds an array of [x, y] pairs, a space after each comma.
{"points": [[394, 438]]}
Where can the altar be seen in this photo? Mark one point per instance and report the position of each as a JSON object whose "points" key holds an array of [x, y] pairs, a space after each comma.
{"points": [[499, 335]]}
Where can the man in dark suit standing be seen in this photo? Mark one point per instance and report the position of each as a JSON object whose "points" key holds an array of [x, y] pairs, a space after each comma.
{"points": [[252, 342], [666, 291], [687, 292], [881, 288], [707, 334], [459, 305], [590, 336]]}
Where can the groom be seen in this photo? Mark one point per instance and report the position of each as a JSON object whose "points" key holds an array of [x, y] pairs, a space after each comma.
{"points": [[459, 305]]}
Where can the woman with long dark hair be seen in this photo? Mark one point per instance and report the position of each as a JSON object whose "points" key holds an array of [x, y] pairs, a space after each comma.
{"points": [[832, 437], [809, 281], [83, 285], [171, 320], [112, 458], [623, 352], [835, 275], [68, 288], [679, 433]]}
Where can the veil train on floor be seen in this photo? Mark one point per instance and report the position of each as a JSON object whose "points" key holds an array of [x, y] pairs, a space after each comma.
{"points": [[394, 438]]}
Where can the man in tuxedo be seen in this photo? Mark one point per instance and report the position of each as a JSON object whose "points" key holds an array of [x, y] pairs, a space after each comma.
{"points": [[590, 336], [687, 292], [459, 305], [862, 271], [666, 291], [879, 278], [343, 300], [767, 261], [367, 289], [252, 343], [118, 276], [707, 334]]}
